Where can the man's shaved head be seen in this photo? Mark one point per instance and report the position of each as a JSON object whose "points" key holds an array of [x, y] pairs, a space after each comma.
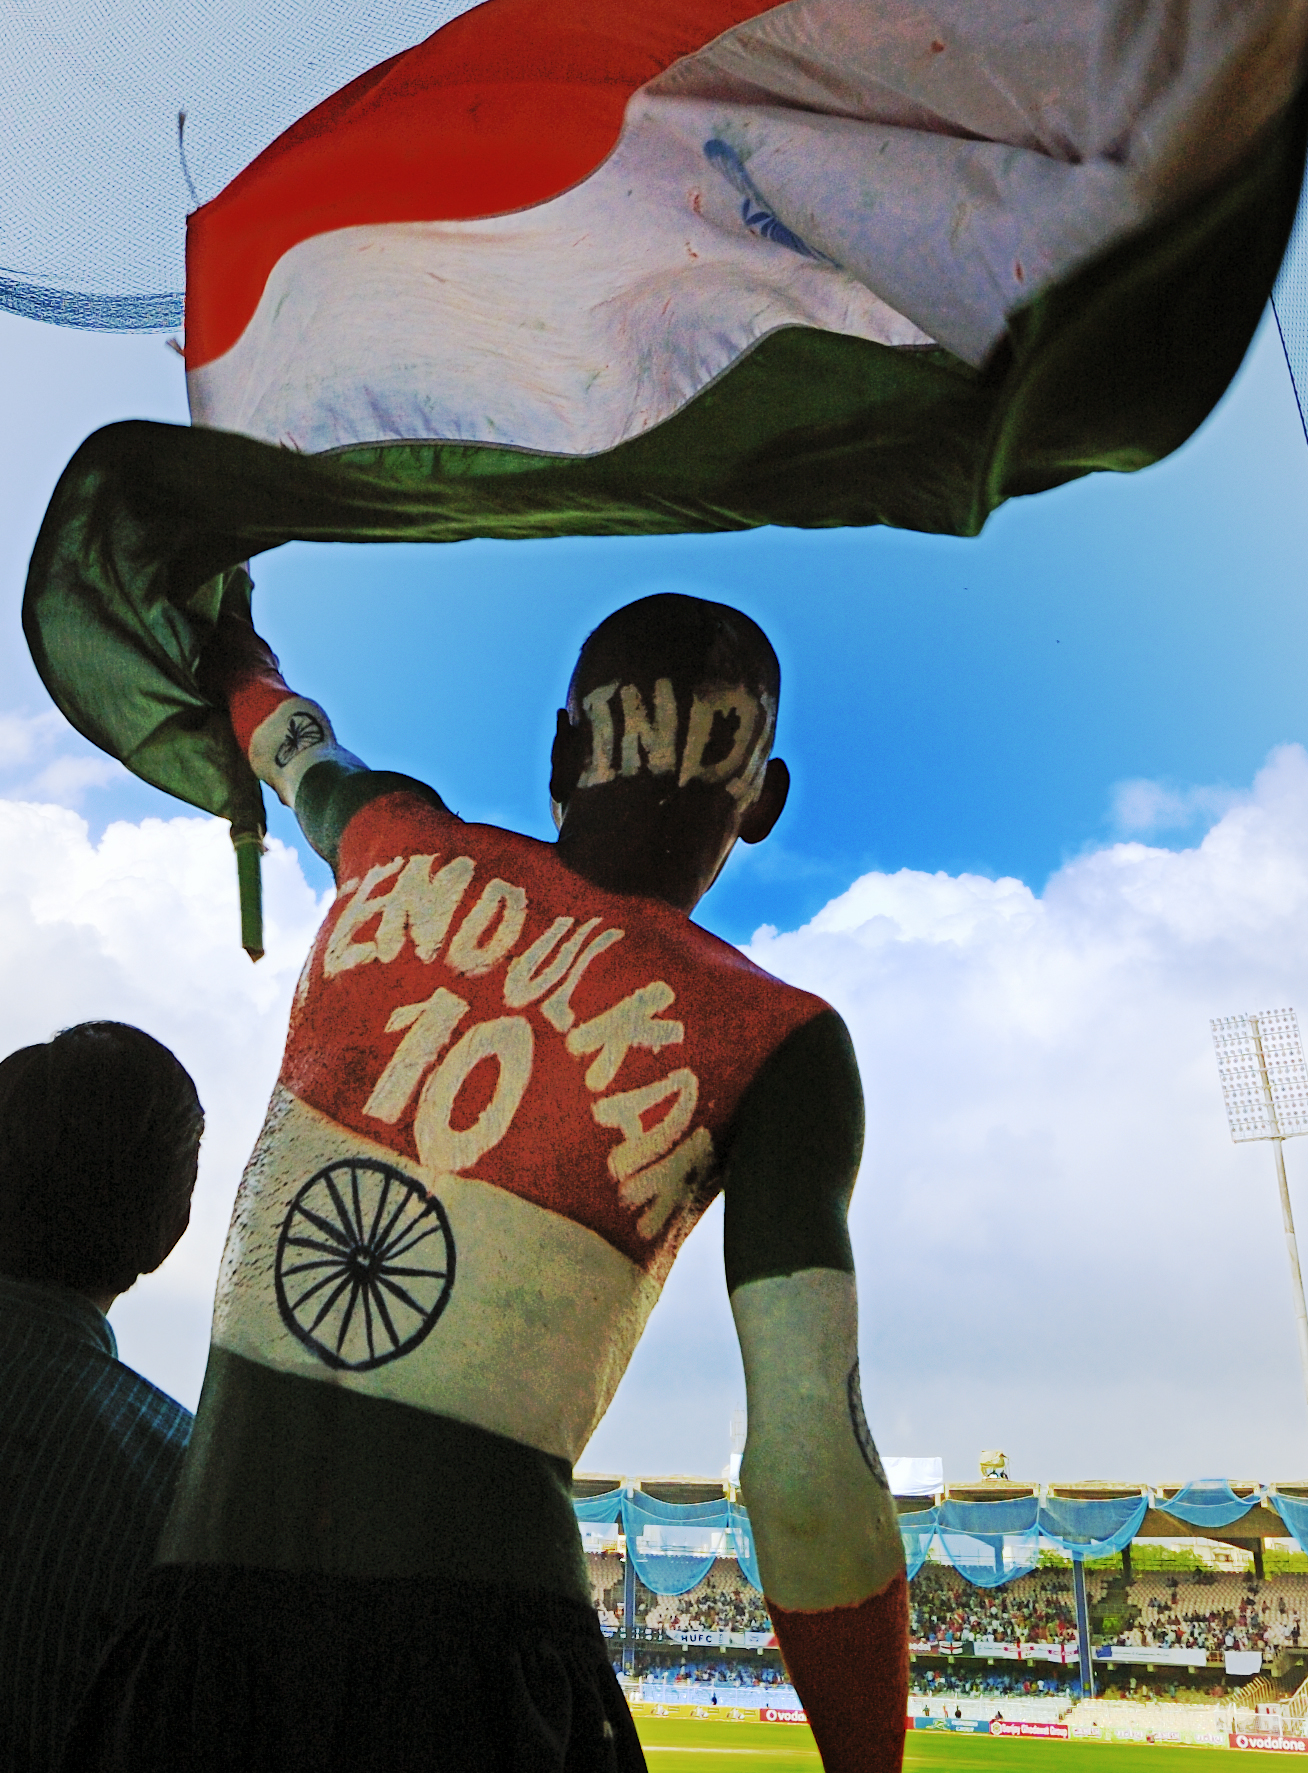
{"points": [[685, 639], [662, 758], [678, 689]]}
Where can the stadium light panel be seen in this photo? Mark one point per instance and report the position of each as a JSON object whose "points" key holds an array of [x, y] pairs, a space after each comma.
{"points": [[1265, 1083], [1264, 1078]]}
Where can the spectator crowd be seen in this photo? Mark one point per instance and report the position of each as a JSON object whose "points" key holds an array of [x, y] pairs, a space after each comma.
{"points": [[946, 1611]]}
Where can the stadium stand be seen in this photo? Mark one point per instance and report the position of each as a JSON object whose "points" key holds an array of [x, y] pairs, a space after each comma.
{"points": [[946, 1609], [724, 1601], [1222, 1603], [1216, 1612], [606, 1573]]}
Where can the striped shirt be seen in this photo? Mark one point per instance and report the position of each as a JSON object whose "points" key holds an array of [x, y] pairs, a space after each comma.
{"points": [[89, 1453]]}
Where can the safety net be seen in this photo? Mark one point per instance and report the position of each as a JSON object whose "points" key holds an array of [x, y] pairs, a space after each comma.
{"points": [[603, 1508], [1091, 1527], [1208, 1502], [1293, 1510], [1290, 301], [672, 1545], [917, 1530], [118, 119], [742, 1536], [991, 1543]]}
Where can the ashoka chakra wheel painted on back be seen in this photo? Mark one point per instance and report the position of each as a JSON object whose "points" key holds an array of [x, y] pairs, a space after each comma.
{"points": [[365, 1264]]}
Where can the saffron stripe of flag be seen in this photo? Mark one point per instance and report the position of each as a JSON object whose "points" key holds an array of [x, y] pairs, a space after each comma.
{"points": [[506, 106]]}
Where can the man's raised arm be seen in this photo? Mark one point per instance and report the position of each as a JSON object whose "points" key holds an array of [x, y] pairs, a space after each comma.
{"points": [[289, 739], [825, 1524]]}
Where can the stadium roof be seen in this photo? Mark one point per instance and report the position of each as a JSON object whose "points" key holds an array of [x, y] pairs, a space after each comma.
{"points": [[1261, 1522]]}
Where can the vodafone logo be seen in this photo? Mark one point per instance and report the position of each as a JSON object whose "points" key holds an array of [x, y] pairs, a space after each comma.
{"points": [[1277, 1745], [777, 1716]]}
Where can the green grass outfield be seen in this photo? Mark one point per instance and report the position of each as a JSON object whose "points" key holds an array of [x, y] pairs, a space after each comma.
{"points": [[685, 1745]]}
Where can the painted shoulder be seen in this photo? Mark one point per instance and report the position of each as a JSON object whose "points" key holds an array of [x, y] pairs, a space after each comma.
{"points": [[401, 817]]}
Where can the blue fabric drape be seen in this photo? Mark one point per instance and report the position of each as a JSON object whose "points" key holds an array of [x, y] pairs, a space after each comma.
{"points": [[1091, 1528], [1293, 1510], [1209, 1502], [992, 1559], [1016, 1516], [672, 1545], [743, 1537], [917, 1530], [990, 1543], [603, 1508]]}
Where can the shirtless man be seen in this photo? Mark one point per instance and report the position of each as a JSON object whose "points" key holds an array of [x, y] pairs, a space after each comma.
{"points": [[516, 1075]]}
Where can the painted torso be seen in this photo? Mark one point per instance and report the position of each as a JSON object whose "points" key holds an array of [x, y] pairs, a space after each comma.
{"points": [[505, 1101]]}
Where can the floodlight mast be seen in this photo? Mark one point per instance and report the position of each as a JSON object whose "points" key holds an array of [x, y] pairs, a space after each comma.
{"points": [[1265, 1084]]}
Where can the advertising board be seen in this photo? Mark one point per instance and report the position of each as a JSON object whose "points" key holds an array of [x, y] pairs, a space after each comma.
{"points": [[1020, 1727], [1277, 1745], [736, 1640], [775, 1714], [1154, 1655], [727, 1714], [1155, 1732]]}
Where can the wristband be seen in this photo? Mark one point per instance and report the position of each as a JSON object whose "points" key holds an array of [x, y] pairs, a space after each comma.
{"points": [[289, 741]]}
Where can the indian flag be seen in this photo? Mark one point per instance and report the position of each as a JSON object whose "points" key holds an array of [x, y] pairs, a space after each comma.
{"points": [[590, 267], [553, 227]]}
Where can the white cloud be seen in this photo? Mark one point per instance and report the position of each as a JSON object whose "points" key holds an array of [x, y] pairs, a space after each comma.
{"points": [[66, 780], [1060, 1251], [24, 736], [143, 927], [1142, 808], [43, 758]]}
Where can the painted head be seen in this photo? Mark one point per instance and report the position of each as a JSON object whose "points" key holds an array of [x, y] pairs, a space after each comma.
{"points": [[662, 757], [99, 1141]]}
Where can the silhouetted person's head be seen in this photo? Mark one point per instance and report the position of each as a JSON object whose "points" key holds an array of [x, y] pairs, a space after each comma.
{"points": [[662, 758], [99, 1140]]}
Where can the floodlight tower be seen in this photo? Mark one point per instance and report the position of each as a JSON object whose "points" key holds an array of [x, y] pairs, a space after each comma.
{"points": [[1265, 1083]]}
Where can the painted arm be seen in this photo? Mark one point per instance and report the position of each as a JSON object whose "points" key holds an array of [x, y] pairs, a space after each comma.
{"points": [[289, 739], [825, 1524]]}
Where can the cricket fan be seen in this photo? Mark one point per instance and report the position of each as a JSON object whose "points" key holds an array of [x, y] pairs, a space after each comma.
{"points": [[516, 1075]]}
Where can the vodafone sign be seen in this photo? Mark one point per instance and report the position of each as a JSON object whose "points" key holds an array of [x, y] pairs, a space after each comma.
{"points": [[776, 1715], [1277, 1745]]}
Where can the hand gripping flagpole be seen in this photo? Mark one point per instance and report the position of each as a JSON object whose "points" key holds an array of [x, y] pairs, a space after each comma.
{"points": [[1265, 1083]]}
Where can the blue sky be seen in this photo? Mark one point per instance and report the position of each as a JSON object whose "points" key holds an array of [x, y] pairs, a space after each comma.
{"points": [[1082, 699]]}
